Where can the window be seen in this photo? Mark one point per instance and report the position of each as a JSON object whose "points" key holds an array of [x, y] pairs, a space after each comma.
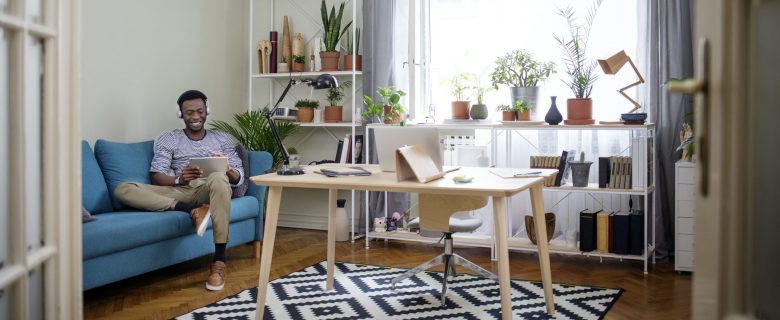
{"points": [[32, 103], [4, 144], [33, 141], [466, 36]]}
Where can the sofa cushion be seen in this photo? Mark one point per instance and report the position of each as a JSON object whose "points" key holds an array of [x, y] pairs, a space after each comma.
{"points": [[94, 193], [122, 230], [124, 162]]}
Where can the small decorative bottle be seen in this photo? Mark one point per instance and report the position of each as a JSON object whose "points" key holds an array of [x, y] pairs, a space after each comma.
{"points": [[553, 116]]}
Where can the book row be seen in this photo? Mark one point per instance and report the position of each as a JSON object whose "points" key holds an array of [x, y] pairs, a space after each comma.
{"points": [[616, 232]]}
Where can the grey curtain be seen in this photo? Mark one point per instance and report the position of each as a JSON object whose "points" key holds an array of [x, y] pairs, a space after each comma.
{"points": [[378, 63], [665, 51]]}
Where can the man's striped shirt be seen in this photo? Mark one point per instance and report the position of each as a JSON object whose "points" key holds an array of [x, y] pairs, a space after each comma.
{"points": [[173, 150]]}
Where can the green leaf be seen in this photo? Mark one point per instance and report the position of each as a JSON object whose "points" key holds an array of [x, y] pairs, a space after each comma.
{"points": [[324, 13], [252, 131]]}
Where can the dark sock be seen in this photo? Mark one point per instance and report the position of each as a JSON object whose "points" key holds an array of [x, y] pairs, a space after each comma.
{"points": [[186, 207], [219, 251]]}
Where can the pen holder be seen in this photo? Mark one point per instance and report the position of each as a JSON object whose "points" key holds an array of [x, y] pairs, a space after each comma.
{"points": [[580, 172]]}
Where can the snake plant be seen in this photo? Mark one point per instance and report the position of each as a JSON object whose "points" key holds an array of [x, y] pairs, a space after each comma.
{"points": [[331, 25]]}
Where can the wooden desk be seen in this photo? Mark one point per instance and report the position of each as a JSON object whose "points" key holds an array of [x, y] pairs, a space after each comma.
{"points": [[485, 184]]}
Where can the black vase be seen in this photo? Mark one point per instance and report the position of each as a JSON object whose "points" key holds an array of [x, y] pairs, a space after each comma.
{"points": [[553, 116]]}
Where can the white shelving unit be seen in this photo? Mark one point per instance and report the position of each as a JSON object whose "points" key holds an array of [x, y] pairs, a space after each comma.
{"points": [[300, 21], [684, 216], [646, 132]]}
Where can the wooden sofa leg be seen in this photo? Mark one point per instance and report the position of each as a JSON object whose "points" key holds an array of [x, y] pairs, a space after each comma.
{"points": [[258, 246]]}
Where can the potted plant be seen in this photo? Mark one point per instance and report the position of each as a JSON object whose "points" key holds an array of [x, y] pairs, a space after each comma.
{"points": [[523, 110], [374, 112], [459, 86], [298, 63], [507, 112], [306, 109], [333, 110], [579, 69], [479, 110], [252, 131], [522, 73], [391, 102], [331, 25], [349, 55], [295, 158]]}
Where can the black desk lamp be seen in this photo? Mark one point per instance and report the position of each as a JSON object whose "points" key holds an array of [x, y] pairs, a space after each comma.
{"points": [[324, 81]]}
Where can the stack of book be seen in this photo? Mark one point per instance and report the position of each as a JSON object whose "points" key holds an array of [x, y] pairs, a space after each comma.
{"points": [[546, 162], [615, 172], [617, 232], [553, 162], [344, 149]]}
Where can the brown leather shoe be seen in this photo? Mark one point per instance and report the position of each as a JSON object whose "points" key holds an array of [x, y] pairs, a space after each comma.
{"points": [[216, 280], [200, 218]]}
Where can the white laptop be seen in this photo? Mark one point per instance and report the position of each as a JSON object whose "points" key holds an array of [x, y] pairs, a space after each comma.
{"points": [[388, 139]]}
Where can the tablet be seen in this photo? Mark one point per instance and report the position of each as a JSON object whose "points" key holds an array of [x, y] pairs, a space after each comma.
{"points": [[210, 164]]}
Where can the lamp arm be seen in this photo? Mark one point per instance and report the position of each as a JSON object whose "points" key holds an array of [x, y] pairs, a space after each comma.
{"points": [[277, 138], [641, 80], [284, 93], [638, 82]]}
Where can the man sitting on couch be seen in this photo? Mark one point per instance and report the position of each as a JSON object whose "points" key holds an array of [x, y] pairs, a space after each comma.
{"points": [[187, 189]]}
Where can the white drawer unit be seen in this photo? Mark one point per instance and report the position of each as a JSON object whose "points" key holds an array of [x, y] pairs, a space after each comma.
{"points": [[684, 216]]}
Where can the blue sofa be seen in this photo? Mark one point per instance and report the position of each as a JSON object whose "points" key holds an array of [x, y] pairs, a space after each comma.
{"points": [[124, 242]]}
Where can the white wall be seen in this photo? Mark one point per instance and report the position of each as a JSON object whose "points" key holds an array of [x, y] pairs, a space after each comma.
{"points": [[138, 56]]}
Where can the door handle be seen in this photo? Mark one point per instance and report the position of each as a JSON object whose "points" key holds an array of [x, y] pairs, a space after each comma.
{"points": [[698, 87]]}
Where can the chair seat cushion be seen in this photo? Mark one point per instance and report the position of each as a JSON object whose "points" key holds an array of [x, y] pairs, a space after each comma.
{"points": [[122, 230], [457, 224]]}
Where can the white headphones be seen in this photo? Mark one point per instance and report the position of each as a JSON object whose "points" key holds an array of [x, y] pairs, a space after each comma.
{"points": [[199, 94], [181, 116]]}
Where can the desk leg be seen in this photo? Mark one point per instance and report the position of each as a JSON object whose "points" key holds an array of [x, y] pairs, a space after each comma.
{"points": [[332, 198], [269, 237], [537, 202], [502, 253]]}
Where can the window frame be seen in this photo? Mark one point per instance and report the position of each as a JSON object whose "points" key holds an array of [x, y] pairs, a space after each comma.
{"points": [[58, 128]]}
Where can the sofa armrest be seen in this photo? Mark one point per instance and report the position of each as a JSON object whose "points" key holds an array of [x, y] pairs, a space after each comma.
{"points": [[259, 163]]}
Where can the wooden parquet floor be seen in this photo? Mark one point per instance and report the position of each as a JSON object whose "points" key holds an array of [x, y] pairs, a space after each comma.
{"points": [[172, 291]]}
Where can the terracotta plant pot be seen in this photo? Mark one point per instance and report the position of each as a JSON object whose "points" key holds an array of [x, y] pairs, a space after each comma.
{"points": [[524, 115], [549, 222], [579, 111], [348, 62], [298, 67], [508, 115], [394, 117], [333, 113], [330, 60], [305, 114], [460, 109]]}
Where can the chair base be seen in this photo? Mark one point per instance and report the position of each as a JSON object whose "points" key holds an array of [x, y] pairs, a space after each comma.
{"points": [[449, 260]]}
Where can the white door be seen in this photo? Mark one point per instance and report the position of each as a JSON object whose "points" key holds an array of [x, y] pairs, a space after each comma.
{"points": [[39, 161], [736, 113]]}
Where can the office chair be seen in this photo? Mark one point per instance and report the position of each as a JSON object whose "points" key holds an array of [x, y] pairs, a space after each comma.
{"points": [[437, 211]]}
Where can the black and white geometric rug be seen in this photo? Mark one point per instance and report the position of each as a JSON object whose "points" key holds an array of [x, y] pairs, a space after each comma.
{"points": [[363, 292]]}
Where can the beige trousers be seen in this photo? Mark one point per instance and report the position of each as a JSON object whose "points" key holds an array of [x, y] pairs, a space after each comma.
{"points": [[214, 190]]}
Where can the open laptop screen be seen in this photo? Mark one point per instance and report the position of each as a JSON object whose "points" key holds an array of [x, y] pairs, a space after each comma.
{"points": [[388, 139]]}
